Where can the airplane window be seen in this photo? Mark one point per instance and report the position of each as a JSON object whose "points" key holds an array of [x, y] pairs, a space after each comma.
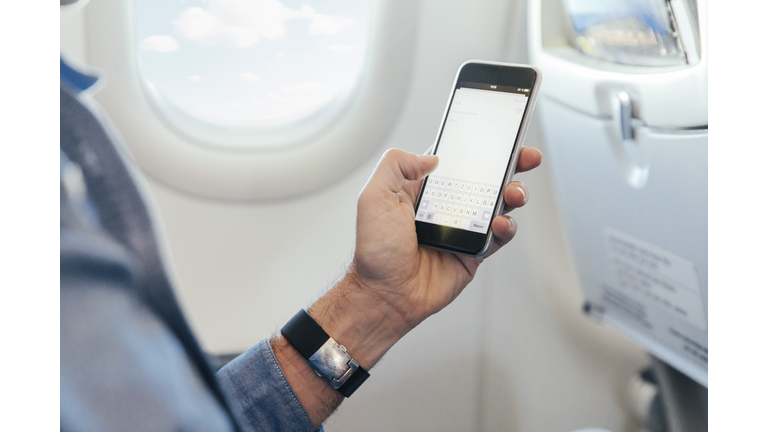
{"points": [[251, 62], [217, 98]]}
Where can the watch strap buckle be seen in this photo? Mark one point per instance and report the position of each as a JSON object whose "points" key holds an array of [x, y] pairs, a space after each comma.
{"points": [[332, 362]]}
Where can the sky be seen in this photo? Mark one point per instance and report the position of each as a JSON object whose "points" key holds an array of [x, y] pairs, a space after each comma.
{"points": [[237, 62]]}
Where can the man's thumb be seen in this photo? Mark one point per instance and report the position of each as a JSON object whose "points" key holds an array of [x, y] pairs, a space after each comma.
{"points": [[396, 166]]}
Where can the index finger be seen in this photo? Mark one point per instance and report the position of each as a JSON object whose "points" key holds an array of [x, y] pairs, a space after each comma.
{"points": [[530, 158]]}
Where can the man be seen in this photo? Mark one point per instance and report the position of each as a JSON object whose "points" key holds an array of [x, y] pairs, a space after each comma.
{"points": [[128, 358]]}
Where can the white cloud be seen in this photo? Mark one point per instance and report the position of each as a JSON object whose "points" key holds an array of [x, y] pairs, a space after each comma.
{"points": [[194, 78], [328, 25], [302, 89], [243, 23], [159, 43], [249, 77], [337, 48]]}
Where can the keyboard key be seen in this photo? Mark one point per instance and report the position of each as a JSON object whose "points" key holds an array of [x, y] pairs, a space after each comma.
{"points": [[448, 208], [464, 224], [424, 204], [442, 207], [463, 186], [435, 206], [420, 215], [478, 226], [486, 215], [482, 190], [445, 219], [429, 217], [455, 221]]}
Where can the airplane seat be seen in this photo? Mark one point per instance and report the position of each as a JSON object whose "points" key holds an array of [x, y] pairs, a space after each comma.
{"points": [[624, 112]]}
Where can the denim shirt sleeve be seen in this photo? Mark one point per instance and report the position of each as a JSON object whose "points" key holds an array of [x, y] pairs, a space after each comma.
{"points": [[259, 393]]}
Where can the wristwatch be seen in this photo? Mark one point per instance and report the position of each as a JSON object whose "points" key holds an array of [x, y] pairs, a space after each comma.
{"points": [[329, 358]]}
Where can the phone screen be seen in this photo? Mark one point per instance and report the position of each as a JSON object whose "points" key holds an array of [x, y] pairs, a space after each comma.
{"points": [[475, 147]]}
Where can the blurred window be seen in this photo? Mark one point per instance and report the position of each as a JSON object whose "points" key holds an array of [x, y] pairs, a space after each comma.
{"points": [[251, 62]]}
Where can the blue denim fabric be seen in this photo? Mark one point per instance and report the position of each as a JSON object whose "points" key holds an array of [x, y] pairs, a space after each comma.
{"points": [[74, 79], [259, 393]]}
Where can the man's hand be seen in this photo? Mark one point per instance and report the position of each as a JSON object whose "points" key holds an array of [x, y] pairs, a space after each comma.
{"points": [[416, 282], [392, 284]]}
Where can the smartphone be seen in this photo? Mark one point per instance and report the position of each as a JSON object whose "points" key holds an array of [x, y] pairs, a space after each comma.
{"points": [[478, 144]]}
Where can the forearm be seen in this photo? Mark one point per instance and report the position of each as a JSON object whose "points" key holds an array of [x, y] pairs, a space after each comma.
{"points": [[354, 317]]}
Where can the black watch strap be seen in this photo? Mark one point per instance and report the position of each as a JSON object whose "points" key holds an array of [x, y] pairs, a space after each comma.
{"points": [[329, 359]]}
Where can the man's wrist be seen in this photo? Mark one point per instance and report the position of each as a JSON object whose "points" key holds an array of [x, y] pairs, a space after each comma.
{"points": [[315, 395], [356, 317]]}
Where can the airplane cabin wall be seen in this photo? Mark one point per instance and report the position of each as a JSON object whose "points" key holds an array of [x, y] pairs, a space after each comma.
{"points": [[546, 366], [513, 352]]}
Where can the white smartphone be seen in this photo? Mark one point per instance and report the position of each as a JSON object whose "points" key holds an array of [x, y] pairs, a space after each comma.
{"points": [[478, 143]]}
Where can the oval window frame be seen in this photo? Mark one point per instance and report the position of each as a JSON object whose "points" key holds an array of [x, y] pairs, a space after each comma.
{"points": [[198, 158]]}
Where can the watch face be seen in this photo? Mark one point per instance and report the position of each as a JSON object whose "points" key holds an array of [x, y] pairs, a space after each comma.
{"points": [[333, 363]]}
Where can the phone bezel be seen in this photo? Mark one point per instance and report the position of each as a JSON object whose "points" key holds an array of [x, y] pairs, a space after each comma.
{"points": [[462, 241]]}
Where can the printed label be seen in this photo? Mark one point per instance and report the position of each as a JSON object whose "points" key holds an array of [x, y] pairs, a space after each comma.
{"points": [[657, 277]]}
